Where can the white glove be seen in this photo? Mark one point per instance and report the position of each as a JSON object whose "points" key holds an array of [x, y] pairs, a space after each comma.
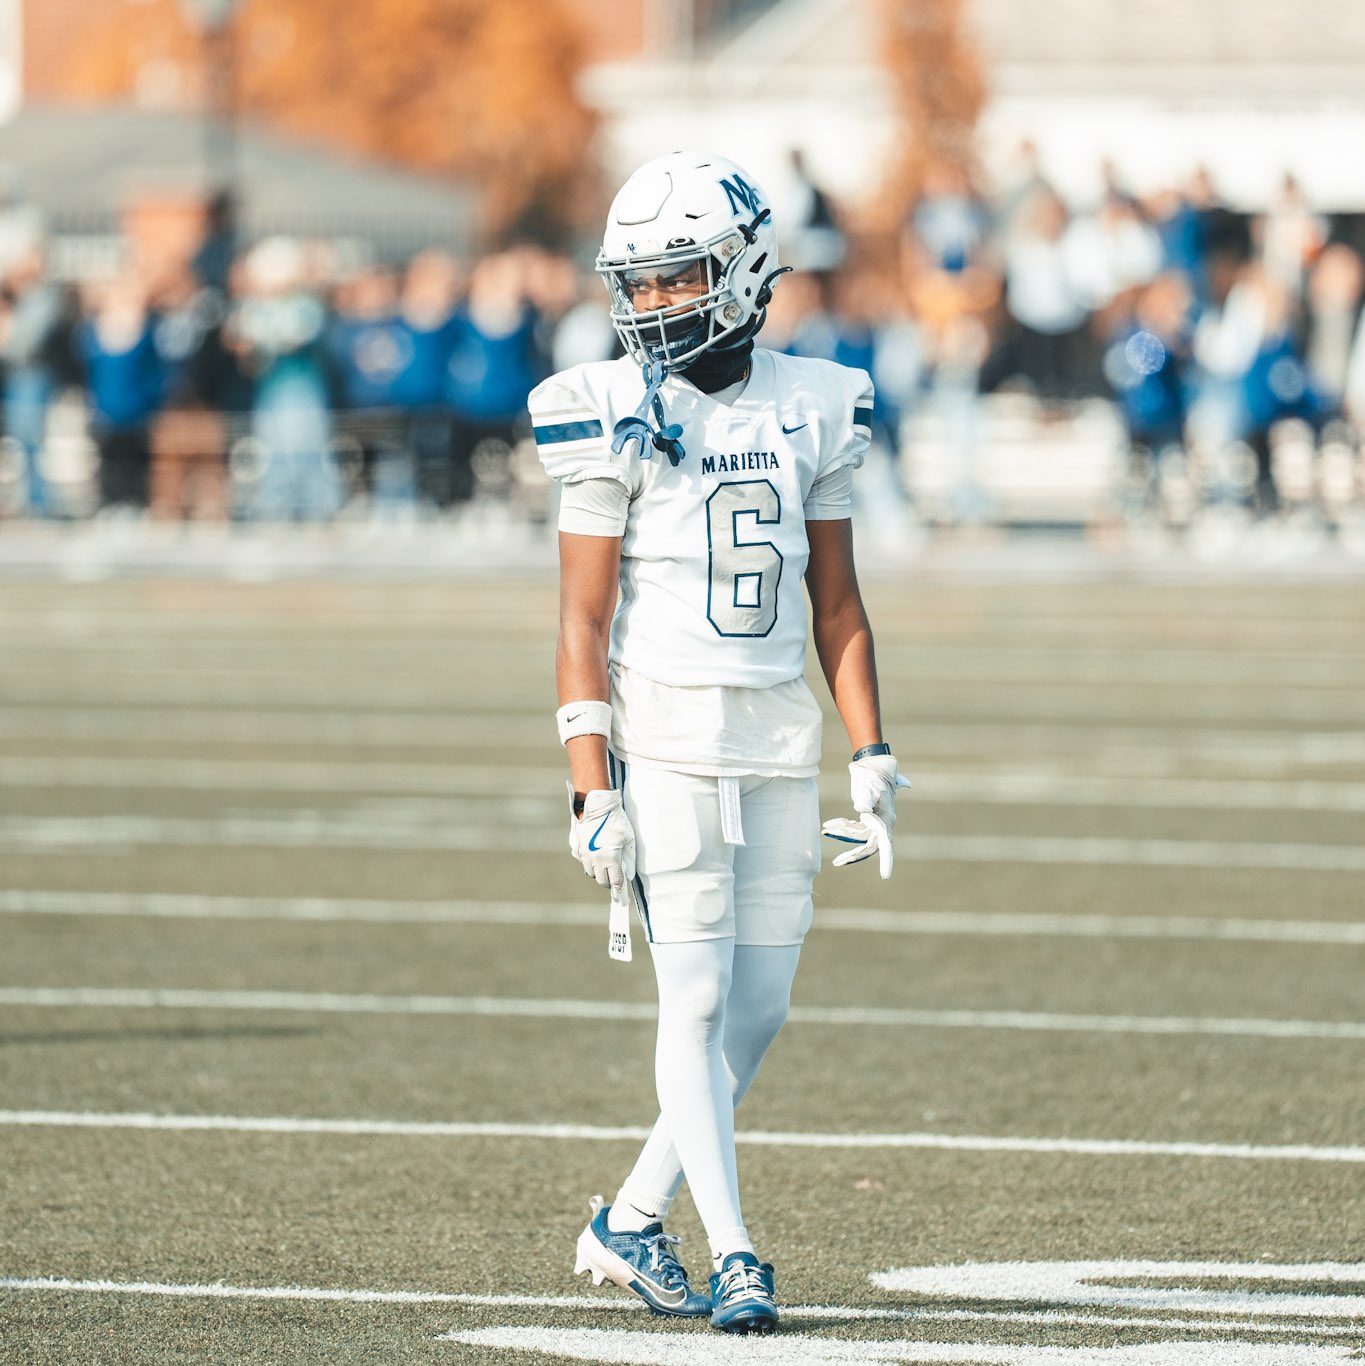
{"points": [[603, 841], [875, 781]]}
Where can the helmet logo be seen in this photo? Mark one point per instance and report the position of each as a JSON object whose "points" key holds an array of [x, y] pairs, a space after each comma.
{"points": [[742, 196]]}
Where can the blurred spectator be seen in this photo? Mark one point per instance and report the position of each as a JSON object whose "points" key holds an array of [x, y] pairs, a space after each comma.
{"points": [[1046, 329], [202, 385], [1250, 375], [801, 318], [125, 380], [949, 223], [1019, 182], [871, 335], [494, 365], [1289, 235], [1335, 286], [213, 261], [277, 330], [367, 343], [21, 224], [427, 304], [1353, 391], [1113, 253], [368, 350], [1227, 339], [551, 288], [1147, 363], [1276, 383], [812, 239], [32, 338], [584, 332]]}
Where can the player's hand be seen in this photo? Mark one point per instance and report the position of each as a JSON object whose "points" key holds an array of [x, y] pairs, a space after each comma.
{"points": [[603, 841], [874, 783]]}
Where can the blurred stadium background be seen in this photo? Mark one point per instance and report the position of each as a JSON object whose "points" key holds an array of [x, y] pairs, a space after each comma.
{"points": [[1104, 261]]}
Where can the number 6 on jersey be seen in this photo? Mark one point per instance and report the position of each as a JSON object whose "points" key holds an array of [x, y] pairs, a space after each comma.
{"points": [[741, 598]]}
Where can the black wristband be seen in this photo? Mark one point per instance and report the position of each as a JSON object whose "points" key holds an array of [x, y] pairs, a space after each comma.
{"points": [[869, 751], [579, 802]]}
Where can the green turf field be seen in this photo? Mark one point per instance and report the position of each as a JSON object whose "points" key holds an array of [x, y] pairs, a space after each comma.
{"points": [[310, 1049]]}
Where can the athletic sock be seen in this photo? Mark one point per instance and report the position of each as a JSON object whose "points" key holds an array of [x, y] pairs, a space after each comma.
{"points": [[728, 1241], [623, 1217]]}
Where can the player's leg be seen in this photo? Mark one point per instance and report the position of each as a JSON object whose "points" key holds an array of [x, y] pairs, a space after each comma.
{"points": [[684, 893], [774, 870], [756, 1008], [773, 873]]}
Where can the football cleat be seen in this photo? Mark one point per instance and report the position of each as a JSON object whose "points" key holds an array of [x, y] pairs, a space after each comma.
{"points": [[641, 1262], [742, 1295]]}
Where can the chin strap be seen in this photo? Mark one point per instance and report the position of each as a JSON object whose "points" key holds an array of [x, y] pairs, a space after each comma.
{"points": [[663, 436]]}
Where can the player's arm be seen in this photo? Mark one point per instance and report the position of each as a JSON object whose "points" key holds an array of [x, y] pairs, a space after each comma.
{"points": [[843, 636], [600, 834], [843, 641], [589, 574]]}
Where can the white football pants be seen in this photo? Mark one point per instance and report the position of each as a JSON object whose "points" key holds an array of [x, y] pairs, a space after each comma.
{"points": [[722, 858]]}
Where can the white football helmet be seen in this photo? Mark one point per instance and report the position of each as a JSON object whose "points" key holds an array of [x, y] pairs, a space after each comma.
{"points": [[683, 215]]}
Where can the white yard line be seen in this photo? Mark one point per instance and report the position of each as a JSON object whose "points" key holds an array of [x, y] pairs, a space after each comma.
{"points": [[614, 1303], [173, 906], [1058, 703], [400, 829], [65, 632], [537, 1008], [356, 727], [583, 1133], [1007, 788], [250, 662]]}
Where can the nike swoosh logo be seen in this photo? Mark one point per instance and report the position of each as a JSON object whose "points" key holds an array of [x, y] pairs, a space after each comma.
{"points": [[570, 719], [672, 1297], [787, 431], [592, 839]]}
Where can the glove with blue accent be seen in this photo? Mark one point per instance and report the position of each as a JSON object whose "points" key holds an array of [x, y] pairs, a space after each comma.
{"points": [[603, 841], [875, 782]]}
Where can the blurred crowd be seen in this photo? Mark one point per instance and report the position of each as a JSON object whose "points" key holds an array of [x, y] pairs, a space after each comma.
{"points": [[281, 380], [1230, 345], [280, 383]]}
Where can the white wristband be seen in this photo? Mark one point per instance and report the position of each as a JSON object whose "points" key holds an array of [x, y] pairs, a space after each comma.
{"points": [[583, 718]]}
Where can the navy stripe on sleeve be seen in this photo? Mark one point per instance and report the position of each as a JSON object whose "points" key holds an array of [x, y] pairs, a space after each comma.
{"points": [[862, 417], [567, 431]]}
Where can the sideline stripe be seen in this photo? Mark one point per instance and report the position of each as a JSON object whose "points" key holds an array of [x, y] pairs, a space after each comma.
{"points": [[126, 998], [172, 906], [395, 830], [1087, 1147], [621, 1304], [537, 784]]}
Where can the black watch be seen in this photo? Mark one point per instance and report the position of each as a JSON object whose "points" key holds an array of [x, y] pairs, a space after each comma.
{"points": [[869, 751]]}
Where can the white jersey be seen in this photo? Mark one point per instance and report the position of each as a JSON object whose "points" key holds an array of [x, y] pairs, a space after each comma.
{"points": [[715, 547]]}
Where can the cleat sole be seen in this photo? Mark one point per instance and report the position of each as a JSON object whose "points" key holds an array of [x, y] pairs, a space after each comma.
{"points": [[583, 1269], [749, 1327]]}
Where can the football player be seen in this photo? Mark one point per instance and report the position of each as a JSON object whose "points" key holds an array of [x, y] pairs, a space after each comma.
{"points": [[702, 482]]}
